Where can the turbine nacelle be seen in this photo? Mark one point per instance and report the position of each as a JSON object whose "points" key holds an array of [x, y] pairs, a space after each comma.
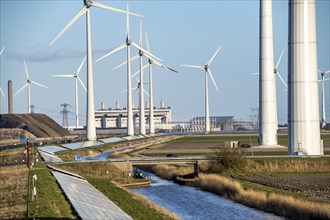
{"points": [[128, 41], [206, 67], [88, 3]]}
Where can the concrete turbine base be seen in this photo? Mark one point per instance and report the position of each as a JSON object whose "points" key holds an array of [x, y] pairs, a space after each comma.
{"points": [[268, 146]]}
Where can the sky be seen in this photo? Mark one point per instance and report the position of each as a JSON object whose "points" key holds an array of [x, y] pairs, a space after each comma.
{"points": [[180, 32]]}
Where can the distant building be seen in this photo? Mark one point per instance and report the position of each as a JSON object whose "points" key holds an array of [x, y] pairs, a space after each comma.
{"points": [[117, 117]]}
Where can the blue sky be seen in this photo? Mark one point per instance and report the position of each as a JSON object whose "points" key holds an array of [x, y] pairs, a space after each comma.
{"points": [[180, 32]]}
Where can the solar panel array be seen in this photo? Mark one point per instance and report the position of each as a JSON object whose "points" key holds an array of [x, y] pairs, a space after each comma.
{"points": [[77, 145], [88, 202], [130, 138], [51, 149], [112, 140], [50, 158]]}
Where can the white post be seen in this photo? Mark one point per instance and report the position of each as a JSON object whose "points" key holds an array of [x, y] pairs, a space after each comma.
{"points": [[91, 130], [267, 78], [207, 116], [303, 104]]}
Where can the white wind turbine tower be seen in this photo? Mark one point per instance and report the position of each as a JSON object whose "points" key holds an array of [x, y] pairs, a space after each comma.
{"points": [[91, 130], [0, 87], [127, 44], [151, 99], [28, 84], [207, 72], [323, 123], [77, 78]]}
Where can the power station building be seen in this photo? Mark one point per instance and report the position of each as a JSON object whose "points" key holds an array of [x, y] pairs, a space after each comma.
{"points": [[117, 117]]}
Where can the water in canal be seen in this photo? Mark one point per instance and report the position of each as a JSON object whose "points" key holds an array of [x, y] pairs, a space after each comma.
{"points": [[192, 203]]}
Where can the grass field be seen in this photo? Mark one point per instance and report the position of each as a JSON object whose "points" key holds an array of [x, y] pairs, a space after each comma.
{"points": [[13, 190], [50, 202], [203, 145]]}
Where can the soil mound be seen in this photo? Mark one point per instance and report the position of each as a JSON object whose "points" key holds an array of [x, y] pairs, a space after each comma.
{"points": [[40, 125]]}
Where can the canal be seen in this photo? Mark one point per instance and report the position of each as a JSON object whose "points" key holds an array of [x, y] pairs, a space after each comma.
{"points": [[191, 203]]}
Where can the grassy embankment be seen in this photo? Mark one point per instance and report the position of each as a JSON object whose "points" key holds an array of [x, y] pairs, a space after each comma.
{"points": [[216, 179], [50, 202], [89, 151], [107, 178]]}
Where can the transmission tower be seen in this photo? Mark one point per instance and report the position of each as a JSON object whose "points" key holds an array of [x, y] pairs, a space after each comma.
{"points": [[65, 113]]}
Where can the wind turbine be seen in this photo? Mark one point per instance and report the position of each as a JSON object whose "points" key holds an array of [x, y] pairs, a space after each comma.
{"points": [[28, 84], [206, 67], [77, 78], [0, 87], [127, 44], [151, 100], [151, 60], [91, 130], [324, 123]]}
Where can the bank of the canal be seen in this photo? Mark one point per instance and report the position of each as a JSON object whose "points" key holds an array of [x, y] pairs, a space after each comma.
{"points": [[192, 203]]}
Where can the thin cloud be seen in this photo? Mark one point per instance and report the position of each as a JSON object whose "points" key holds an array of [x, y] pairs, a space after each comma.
{"points": [[49, 55], [45, 55]]}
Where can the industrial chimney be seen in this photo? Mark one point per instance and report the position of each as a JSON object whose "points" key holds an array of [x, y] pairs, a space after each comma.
{"points": [[303, 104], [117, 105], [102, 106], [10, 97], [162, 104], [147, 105]]}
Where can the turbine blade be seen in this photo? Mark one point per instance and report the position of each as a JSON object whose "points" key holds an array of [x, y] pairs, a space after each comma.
{"points": [[122, 64], [192, 66], [38, 84], [2, 50], [166, 67], [279, 75], [26, 71], [127, 23], [82, 63], [143, 50], [209, 71], [145, 66], [147, 41], [111, 52], [326, 72], [3, 94], [255, 73], [140, 32], [21, 89], [146, 92], [66, 76], [210, 61], [327, 79], [80, 13], [279, 59], [99, 5], [82, 84]]}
